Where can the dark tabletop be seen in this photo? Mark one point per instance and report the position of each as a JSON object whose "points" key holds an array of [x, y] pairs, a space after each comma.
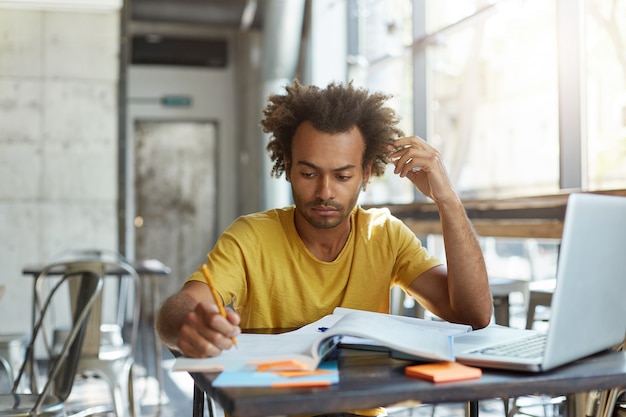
{"points": [[370, 379]]}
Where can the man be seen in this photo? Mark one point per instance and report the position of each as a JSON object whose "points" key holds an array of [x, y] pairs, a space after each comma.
{"points": [[287, 267]]}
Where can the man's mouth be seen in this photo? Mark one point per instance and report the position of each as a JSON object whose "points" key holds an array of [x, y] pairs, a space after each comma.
{"points": [[325, 210]]}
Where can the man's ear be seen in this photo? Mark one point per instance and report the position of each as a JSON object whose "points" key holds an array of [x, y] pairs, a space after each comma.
{"points": [[366, 176]]}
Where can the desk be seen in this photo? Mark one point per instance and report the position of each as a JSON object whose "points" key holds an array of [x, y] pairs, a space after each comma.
{"points": [[148, 269], [369, 379]]}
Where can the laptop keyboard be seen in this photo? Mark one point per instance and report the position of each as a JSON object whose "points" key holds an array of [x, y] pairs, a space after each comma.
{"points": [[530, 347]]}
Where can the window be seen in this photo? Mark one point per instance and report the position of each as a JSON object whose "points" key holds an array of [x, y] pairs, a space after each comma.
{"points": [[521, 97], [605, 23], [380, 36], [494, 101]]}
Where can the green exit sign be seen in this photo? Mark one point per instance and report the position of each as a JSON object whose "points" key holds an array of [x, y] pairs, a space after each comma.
{"points": [[176, 101]]}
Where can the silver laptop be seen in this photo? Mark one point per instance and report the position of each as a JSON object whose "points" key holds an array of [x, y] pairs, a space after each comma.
{"points": [[588, 311]]}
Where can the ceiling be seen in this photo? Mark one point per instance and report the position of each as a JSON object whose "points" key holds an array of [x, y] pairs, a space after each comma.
{"points": [[241, 14]]}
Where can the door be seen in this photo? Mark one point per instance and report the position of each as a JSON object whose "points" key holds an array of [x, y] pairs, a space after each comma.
{"points": [[175, 191]]}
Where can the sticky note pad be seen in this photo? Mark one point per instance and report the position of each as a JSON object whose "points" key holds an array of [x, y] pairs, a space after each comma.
{"points": [[443, 371]]}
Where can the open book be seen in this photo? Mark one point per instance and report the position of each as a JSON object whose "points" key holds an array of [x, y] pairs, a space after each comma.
{"points": [[305, 348]]}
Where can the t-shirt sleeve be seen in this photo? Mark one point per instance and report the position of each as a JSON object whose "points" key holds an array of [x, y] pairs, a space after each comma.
{"points": [[226, 264]]}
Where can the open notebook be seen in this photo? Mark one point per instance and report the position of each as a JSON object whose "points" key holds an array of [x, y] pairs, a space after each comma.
{"points": [[588, 312], [306, 347]]}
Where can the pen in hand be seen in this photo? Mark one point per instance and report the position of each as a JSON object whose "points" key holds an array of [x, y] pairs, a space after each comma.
{"points": [[216, 296]]}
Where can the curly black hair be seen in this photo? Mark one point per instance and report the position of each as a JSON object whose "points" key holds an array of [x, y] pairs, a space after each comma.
{"points": [[335, 109]]}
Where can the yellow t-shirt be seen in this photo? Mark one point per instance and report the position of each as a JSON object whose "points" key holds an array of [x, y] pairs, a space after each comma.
{"points": [[263, 268]]}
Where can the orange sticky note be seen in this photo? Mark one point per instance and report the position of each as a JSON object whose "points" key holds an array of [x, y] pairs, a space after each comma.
{"points": [[443, 371], [281, 366], [296, 374], [301, 384]]}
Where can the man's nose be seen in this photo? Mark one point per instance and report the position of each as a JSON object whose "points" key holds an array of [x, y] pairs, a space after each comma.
{"points": [[324, 188]]}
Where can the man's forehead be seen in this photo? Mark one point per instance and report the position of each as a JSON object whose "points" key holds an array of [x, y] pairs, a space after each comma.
{"points": [[313, 165]]}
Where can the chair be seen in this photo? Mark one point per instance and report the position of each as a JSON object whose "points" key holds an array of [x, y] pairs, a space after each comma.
{"points": [[58, 381], [12, 347], [539, 294], [610, 403], [107, 353], [11, 350]]}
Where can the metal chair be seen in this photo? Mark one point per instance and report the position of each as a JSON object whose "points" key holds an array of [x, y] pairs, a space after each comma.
{"points": [[49, 401], [540, 294], [11, 350], [612, 402], [108, 352]]}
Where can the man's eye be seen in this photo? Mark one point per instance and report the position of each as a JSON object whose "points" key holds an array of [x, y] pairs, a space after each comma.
{"points": [[344, 177], [308, 174]]}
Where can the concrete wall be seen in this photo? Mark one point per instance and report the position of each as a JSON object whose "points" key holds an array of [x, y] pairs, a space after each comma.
{"points": [[59, 135], [58, 143]]}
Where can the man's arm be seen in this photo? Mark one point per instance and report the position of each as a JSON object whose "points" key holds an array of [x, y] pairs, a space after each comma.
{"points": [[189, 322], [461, 293]]}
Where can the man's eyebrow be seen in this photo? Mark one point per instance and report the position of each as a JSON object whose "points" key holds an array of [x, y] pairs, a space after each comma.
{"points": [[313, 166]]}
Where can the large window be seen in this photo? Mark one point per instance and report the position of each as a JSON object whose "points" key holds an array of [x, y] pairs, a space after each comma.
{"points": [[493, 96], [605, 48], [521, 97], [380, 59]]}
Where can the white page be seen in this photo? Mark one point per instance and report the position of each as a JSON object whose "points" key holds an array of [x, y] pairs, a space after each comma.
{"points": [[399, 335], [251, 348]]}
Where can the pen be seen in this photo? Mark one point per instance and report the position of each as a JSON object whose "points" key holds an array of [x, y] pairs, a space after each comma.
{"points": [[216, 296]]}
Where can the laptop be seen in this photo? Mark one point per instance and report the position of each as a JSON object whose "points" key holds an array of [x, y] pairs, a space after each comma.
{"points": [[588, 311]]}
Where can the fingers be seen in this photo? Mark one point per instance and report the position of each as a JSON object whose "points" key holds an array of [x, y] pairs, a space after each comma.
{"points": [[423, 165], [205, 332], [411, 155], [232, 317]]}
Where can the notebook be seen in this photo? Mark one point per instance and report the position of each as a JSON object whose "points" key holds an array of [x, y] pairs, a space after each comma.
{"points": [[588, 311]]}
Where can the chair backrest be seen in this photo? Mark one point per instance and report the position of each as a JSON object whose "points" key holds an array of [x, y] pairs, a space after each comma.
{"points": [[106, 263], [62, 365]]}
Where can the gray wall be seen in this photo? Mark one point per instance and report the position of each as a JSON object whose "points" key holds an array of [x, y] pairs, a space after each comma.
{"points": [[59, 131], [59, 138], [58, 143]]}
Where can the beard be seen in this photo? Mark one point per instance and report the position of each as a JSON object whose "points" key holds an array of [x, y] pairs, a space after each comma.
{"points": [[308, 211]]}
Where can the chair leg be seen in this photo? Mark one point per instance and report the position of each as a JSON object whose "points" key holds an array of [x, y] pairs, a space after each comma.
{"points": [[210, 406], [134, 405], [530, 315], [121, 391], [607, 402], [117, 374]]}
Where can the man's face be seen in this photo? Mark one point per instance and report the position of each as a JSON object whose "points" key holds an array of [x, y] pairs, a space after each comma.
{"points": [[326, 174]]}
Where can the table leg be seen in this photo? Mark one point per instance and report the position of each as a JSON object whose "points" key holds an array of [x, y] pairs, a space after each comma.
{"points": [[471, 409], [198, 401]]}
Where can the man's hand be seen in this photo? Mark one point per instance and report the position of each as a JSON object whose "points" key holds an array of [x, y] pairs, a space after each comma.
{"points": [[423, 165], [205, 332], [189, 321]]}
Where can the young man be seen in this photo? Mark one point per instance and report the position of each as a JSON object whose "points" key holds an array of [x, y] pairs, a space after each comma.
{"points": [[287, 267]]}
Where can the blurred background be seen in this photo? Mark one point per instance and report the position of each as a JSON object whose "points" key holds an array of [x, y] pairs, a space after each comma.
{"points": [[134, 125]]}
